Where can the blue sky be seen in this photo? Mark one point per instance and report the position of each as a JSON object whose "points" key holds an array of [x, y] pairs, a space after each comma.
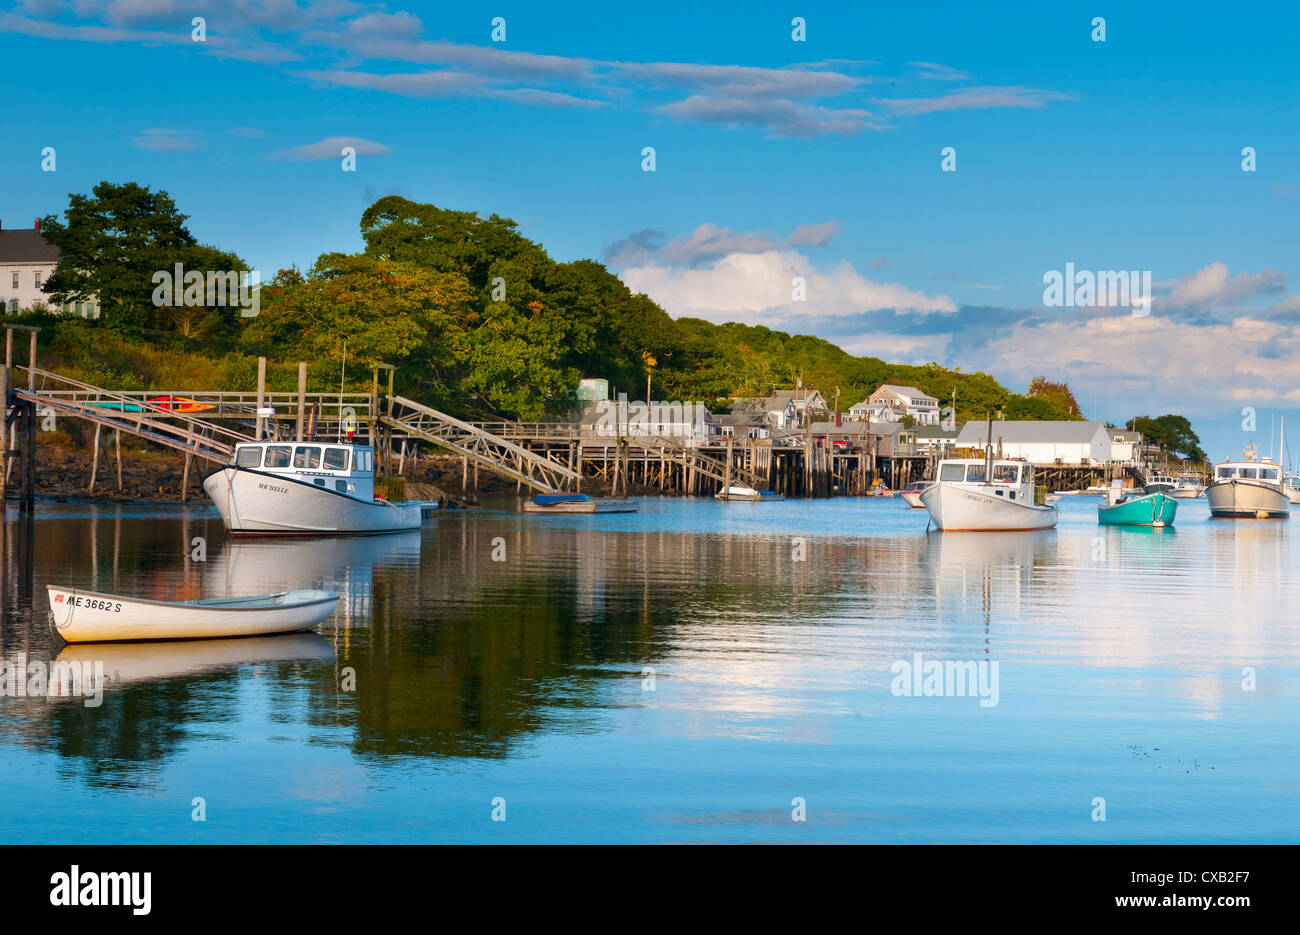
{"points": [[774, 159]]}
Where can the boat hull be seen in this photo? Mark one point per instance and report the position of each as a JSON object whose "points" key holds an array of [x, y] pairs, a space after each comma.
{"points": [[582, 506], [1185, 493], [254, 503], [1245, 499], [91, 617], [913, 499], [961, 509], [1155, 509]]}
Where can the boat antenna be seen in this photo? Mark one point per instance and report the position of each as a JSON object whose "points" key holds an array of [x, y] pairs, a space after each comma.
{"points": [[343, 369]]}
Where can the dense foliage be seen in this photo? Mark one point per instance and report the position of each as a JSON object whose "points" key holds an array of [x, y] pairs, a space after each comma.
{"points": [[1173, 432], [477, 318]]}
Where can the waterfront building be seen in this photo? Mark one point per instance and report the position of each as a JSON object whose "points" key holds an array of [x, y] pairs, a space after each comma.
{"points": [[747, 424], [1073, 442]]}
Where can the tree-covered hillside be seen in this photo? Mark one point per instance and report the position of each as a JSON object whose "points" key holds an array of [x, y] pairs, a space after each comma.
{"points": [[477, 318]]}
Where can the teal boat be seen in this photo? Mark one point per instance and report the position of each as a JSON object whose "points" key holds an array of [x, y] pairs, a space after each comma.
{"points": [[1154, 509]]}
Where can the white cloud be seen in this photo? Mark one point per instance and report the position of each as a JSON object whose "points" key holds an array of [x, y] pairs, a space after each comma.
{"points": [[331, 148], [756, 287], [1212, 285]]}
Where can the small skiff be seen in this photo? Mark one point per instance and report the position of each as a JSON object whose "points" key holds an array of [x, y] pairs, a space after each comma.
{"points": [[577, 503], [91, 617], [912, 494], [1153, 509], [737, 493]]}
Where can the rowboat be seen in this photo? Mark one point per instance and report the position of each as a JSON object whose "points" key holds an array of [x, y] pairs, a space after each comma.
{"points": [[1153, 509], [577, 503], [741, 494], [305, 489], [93, 617], [984, 494]]}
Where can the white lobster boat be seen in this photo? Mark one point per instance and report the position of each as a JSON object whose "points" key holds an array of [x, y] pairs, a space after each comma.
{"points": [[92, 617], [1248, 489], [986, 495], [305, 489]]}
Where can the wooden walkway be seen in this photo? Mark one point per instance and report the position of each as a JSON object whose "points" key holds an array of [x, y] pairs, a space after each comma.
{"points": [[414, 420]]}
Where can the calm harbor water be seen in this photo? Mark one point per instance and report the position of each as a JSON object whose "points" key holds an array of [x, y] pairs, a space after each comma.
{"points": [[679, 675]]}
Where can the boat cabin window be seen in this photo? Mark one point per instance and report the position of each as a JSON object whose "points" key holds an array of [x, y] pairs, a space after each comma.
{"points": [[953, 473], [336, 459], [249, 457], [1223, 473], [1268, 474], [1005, 473], [1251, 473], [277, 456], [304, 457], [974, 473], [365, 460]]}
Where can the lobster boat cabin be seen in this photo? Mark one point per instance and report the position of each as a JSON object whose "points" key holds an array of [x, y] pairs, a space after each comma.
{"points": [[304, 489]]}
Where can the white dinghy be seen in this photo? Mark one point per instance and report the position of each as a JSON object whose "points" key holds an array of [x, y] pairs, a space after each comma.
{"points": [[91, 617]]}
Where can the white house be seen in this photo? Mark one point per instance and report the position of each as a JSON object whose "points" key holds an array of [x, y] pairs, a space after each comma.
{"points": [[1123, 444], [790, 409], [912, 402], [1042, 442], [886, 410], [27, 260]]}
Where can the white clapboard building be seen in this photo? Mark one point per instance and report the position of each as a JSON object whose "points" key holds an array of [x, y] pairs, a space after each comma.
{"points": [[1075, 442]]}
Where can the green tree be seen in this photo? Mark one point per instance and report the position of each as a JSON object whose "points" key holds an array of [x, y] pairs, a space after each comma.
{"points": [[1173, 432], [111, 245], [1058, 394]]}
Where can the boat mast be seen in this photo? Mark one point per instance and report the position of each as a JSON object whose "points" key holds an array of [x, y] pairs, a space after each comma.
{"points": [[988, 448]]}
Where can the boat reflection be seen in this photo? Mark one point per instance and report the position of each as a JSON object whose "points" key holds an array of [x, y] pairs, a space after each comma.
{"points": [[992, 571], [346, 565], [129, 663]]}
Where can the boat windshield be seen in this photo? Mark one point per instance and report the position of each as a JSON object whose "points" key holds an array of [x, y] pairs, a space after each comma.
{"points": [[1268, 474], [975, 473], [952, 473], [277, 456], [336, 459], [249, 457], [1005, 473]]}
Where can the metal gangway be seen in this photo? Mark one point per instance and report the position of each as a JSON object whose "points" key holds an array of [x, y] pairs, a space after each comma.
{"points": [[130, 413], [479, 446]]}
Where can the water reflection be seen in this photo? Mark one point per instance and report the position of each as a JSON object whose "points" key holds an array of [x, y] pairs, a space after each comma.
{"points": [[490, 642]]}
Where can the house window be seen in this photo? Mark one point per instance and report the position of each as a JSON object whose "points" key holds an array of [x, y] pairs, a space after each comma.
{"points": [[36, 278], [15, 280], [13, 306]]}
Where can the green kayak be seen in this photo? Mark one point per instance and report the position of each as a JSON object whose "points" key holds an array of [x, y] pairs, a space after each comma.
{"points": [[1154, 509]]}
